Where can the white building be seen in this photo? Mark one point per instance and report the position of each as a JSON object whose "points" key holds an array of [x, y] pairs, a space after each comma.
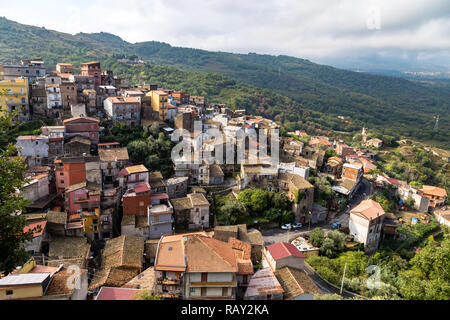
{"points": [[33, 146], [294, 168], [126, 110], [366, 223], [421, 202]]}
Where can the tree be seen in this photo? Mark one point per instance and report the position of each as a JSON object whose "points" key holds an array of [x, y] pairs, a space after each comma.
{"points": [[317, 237], [280, 201], [232, 211], [146, 295], [12, 235], [259, 201], [327, 247], [338, 238], [138, 151], [410, 203]]}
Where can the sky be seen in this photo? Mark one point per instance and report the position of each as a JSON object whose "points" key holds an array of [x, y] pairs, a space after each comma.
{"points": [[319, 30]]}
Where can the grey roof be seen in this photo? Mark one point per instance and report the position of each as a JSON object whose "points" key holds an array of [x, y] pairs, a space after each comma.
{"points": [[24, 278]]}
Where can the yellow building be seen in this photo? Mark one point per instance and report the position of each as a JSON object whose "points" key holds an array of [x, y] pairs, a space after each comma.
{"points": [[15, 97], [160, 104], [91, 221], [24, 285]]}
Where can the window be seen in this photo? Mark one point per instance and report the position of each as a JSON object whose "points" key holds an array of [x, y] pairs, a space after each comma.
{"points": [[61, 181], [141, 204], [192, 290], [9, 292]]}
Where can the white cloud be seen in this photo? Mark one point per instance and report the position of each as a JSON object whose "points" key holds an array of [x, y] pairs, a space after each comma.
{"points": [[309, 28]]}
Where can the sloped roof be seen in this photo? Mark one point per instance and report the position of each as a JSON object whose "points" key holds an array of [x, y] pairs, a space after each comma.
{"points": [[435, 191], [369, 209], [180, 204], [124, 251], [121, 294], [144, 280], [121, 262], [80, 139], [282, 250], [57, 217], [81, 119], [136, 169], [205, 254], [115, 154], [198, 199], [295, 282], [263, 282], [59, 285], [155, 175], [215, 171], [68, 247], [77, 186], [170, 255]]}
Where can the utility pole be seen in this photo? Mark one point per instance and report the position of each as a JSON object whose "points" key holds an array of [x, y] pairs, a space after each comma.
{"points": [[310, 217], [343, 277]]}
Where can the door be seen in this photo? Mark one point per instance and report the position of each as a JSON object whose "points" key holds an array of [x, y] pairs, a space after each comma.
{"points": [[204, 277], [203, 293]]}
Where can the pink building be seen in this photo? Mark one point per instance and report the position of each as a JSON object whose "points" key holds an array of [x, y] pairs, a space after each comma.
{"points": [[82, 197]]}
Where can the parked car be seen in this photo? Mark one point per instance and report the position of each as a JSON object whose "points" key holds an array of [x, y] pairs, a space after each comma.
{"points": [[297, 225], [286, 226], [336, 225]]}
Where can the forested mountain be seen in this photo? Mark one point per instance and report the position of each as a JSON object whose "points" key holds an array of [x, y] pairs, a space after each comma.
{"points": [[388, 105]]}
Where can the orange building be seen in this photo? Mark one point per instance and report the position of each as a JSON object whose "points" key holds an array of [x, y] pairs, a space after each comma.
{"points": [[136, 200], [437, 196], [92, 69], [69, 172]]}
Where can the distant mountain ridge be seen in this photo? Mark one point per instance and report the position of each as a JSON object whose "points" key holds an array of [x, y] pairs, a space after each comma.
{"points": [[394, 106]]}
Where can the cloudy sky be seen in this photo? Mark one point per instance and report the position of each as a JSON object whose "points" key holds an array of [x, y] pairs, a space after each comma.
{"points": [[319, 30]]}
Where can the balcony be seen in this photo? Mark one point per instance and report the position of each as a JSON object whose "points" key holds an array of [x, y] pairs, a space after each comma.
{"points": [[168, 281]]}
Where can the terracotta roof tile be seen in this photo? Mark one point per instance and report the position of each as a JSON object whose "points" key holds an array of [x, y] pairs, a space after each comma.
{"points": [[282, 250]]}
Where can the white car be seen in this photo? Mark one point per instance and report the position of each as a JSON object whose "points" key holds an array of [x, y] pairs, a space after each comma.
{"points": [[297, 225], [286, 226]]}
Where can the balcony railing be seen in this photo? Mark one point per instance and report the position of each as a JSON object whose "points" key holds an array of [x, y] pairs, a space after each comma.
{"points": [[167, 281]]}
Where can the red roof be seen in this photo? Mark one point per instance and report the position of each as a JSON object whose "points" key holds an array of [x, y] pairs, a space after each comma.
{"points": [[282, 250], [107, 293], [142, 188], [160, 196], [123, 173], [33, 225]]}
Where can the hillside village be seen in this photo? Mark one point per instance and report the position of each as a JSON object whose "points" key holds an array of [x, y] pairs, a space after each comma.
{"points": [[106, 203]]}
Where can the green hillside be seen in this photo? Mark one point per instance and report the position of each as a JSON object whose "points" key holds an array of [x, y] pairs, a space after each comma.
{"points": [[387, 105]]}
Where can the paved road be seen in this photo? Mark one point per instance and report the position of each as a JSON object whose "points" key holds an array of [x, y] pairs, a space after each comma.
{"points": [[279, 235], [324, 286], [363, 193]]}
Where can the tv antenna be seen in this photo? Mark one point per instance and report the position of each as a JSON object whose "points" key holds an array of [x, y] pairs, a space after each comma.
{"points": [[436, 125]]}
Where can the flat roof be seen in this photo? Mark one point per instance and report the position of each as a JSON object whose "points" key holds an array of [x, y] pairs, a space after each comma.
{"points": [[24, 279]]}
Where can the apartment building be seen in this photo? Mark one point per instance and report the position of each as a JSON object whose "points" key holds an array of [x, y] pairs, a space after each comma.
{"points": [[29, 68], [195, 267], [16, 98], [125, 110], [92, 69], [366, 224]]}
